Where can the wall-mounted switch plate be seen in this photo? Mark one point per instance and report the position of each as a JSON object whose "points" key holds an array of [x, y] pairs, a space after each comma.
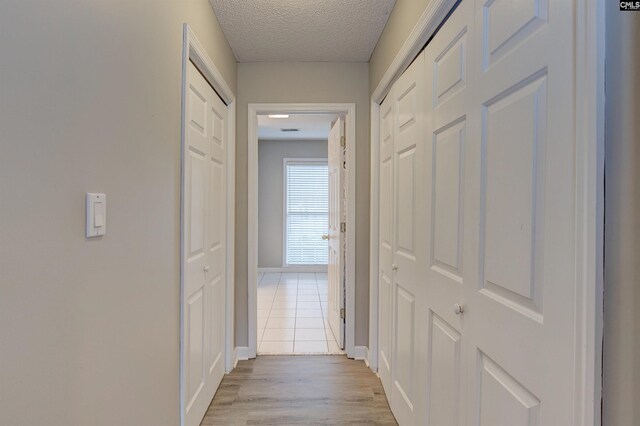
{"points": [[96, 214]]}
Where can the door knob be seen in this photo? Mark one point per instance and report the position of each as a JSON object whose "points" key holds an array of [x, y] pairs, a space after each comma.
{"points": [[394, 267], [325, 237], [206, 268], [458, 309]]}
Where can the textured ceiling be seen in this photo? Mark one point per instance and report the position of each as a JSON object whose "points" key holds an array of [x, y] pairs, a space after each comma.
{"points": [[302, 30], [311, 127]]}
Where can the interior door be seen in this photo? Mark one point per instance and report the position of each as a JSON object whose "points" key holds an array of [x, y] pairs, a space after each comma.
{"points": [[336, 216], [408, 241], [385, 251], [448, 98], [203, 246], [521, 307]]}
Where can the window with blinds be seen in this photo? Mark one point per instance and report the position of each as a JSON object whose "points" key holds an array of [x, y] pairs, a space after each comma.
{"points": [[306, 212]]}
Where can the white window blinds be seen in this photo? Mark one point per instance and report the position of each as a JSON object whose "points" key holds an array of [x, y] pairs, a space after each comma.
{"points": [[307, 212]]}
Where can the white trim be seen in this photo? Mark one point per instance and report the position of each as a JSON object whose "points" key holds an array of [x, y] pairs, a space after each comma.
{"points": [[231, 238], [293, 269], [194, 51], [589, 116], [359, 353], [252, 209], [374, 229], [589, 89], [243, 353]]}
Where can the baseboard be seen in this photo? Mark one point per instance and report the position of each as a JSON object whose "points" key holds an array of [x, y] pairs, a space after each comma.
{"points": [[366, 358], [294, 269], [235, 358], [242, 353], [359, 352]]}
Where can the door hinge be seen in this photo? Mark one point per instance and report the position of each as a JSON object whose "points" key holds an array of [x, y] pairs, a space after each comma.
{"points": [[343, 141], [343, 226], [342, 313]]}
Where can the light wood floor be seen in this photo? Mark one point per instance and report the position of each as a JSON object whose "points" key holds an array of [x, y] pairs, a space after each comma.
{"points": [[309, 390]]}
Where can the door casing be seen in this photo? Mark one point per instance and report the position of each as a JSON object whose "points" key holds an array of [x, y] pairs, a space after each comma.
{"points": [[589, 122], [349, 110], [193, 50]]}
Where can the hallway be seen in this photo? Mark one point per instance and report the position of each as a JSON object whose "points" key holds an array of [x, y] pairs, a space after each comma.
{"points": [[299, 390]]}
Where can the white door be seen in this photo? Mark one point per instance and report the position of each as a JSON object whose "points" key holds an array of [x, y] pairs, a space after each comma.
{"points": [[385, 250], [408, 242], [204, 226], [448, 98], [520, 320], [336, 215]]}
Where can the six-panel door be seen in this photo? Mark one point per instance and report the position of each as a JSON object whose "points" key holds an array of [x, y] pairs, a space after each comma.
{"points": [[477, 221], [204, 245]]}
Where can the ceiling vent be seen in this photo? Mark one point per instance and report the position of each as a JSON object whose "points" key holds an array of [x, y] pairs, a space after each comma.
{"points": [[290, 130]]}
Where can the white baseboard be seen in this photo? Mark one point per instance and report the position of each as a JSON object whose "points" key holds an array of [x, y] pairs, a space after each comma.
{"points": [[359, 352], [242, 353], [294, 269]]}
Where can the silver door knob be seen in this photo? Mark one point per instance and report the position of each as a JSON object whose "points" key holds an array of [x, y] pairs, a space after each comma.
{"points": [[394, 267], [325, 237], [457, 308], [206, 268]]}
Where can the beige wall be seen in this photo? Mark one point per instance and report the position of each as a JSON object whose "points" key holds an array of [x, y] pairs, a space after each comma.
{"points": [[303, 83], [90, 101], [621, 379], [403, 18], [271, 157]]}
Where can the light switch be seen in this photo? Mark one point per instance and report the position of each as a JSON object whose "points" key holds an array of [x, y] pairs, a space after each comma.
{"points": [[96, 214]]}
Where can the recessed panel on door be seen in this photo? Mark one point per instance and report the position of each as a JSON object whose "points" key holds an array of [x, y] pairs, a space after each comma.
{"points": [[216, 228], [195, 345], [197, 184], [444, 373], [451, 68], [504, 401], [514, 135], [405, 207], [405, 349], [216, 297], [447, 201], [508, 23]]}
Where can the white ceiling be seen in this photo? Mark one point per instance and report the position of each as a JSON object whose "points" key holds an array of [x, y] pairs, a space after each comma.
{"points": [[311, 126], [302, 30]]}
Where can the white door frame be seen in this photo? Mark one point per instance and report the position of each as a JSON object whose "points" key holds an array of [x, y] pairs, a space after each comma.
{"points": [[589, 145], [349, 109], [193, 50]]}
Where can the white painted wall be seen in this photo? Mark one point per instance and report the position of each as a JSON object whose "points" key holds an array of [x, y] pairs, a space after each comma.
{"points": [[271, 155], [90, 101]]}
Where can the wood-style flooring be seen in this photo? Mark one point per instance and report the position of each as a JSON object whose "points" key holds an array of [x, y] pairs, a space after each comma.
{"points": [[300, 390]]}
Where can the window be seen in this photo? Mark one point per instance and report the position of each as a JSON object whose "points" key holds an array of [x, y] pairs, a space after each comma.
{"points": [[306, 212]]}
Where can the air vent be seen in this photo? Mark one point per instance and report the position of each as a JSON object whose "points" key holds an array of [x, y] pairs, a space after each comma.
{"points": [[290, 130]]}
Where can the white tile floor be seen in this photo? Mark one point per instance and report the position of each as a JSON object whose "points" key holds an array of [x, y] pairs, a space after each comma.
{"points": [[292, 312]]}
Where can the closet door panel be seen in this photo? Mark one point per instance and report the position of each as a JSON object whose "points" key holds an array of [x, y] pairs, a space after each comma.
{"points": [[409, 244], [447, 69], [385, 298]]}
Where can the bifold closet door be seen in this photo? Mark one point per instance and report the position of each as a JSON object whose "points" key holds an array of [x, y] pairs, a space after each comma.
{"points": [[520, 321], [408, 244], [385, 279], [449, 225], [204, 245]]}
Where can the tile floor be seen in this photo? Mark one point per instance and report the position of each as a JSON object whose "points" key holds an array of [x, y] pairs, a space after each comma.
{"points": [[292, 311]]}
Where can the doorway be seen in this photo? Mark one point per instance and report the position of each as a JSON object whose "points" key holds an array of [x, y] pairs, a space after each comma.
{"points": [[301, 222]]}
